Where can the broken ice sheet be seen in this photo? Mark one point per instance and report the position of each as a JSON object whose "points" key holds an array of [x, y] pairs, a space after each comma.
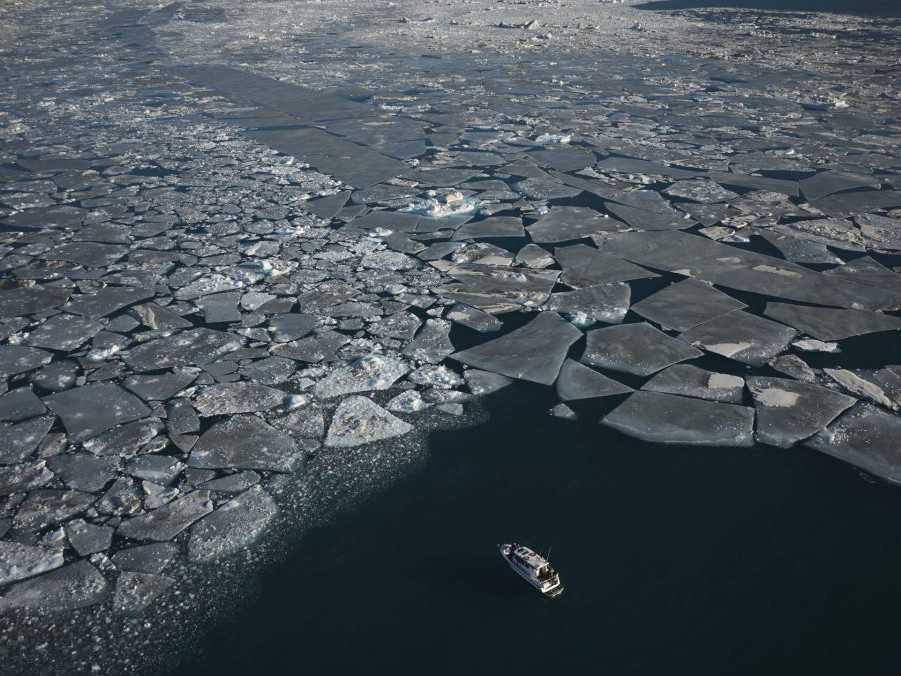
{"points": [[800, 250], [47, 506], [291, 326], [64, 332], [497, 290], [233, 526], [587, 266], [20, 404], [741, 336], [88, 538], [491, 228], [701, 190], [160, 387], [318, 347], [534, 352], [195, 347], [639, 349], [647, 219], [244, 442], [533, 256], [359, 420], [91, 409], [562, 224], [882, 386], [153, 558], [125, 440], [734, 268], [828, 324], [866, 437], [372, 372], [166, 522], [686, 304], [671, 419], [231, 398], [136, 591], [830, 182], [84, 472], [20, 561], [73, 586], [432, 344], [20, 439], [881, 232], [473, 318], [789, 411], [23, 477], [607, 303], [15, 359], [833, 232], [577, 381], [30, 300], [692, 381], [106, 301]]}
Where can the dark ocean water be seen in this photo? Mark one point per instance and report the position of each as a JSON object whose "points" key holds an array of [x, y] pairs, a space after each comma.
{"points": [[890, 8], [676, 561]]}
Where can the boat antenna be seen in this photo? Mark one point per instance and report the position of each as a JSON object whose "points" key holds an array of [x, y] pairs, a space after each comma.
{"points": [[548, 557]]}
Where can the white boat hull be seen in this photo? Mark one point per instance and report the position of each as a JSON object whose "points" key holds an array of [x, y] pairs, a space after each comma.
{"points": [[550, 587]]}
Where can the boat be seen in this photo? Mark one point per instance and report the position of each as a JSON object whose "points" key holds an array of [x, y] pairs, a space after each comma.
{"points": [[532, 566]]}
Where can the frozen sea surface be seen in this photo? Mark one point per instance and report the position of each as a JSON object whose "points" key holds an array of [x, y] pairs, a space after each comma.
{"points": [[254, 256]]}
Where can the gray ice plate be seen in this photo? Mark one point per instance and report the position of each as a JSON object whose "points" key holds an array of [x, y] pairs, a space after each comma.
{"points": [[233, 526], [534, 352], [372, 372], [244, 442], [15, 359], [84, 472], [474, 318], [735, 268], [639, 349], [562, 224], [194, 347], [577, 381], [20, 404], [359, 420], [64, 332], [489, 288], [94, 408], [686, 304], [789, 411], [159, 387], [866, 437], [647, 219], [432, 344], [135, 591], [670, 419], [692, 381], [231, 398], [20, 439], [74, 586], [826, 323], [607, 303], [491, 228], [586, 266], [19, 561], [830, 182], [741, 336], [166, 522]]}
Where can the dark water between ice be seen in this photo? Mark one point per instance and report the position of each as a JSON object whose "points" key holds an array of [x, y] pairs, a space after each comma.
{"points": [[863, 7], [676, 561]]}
